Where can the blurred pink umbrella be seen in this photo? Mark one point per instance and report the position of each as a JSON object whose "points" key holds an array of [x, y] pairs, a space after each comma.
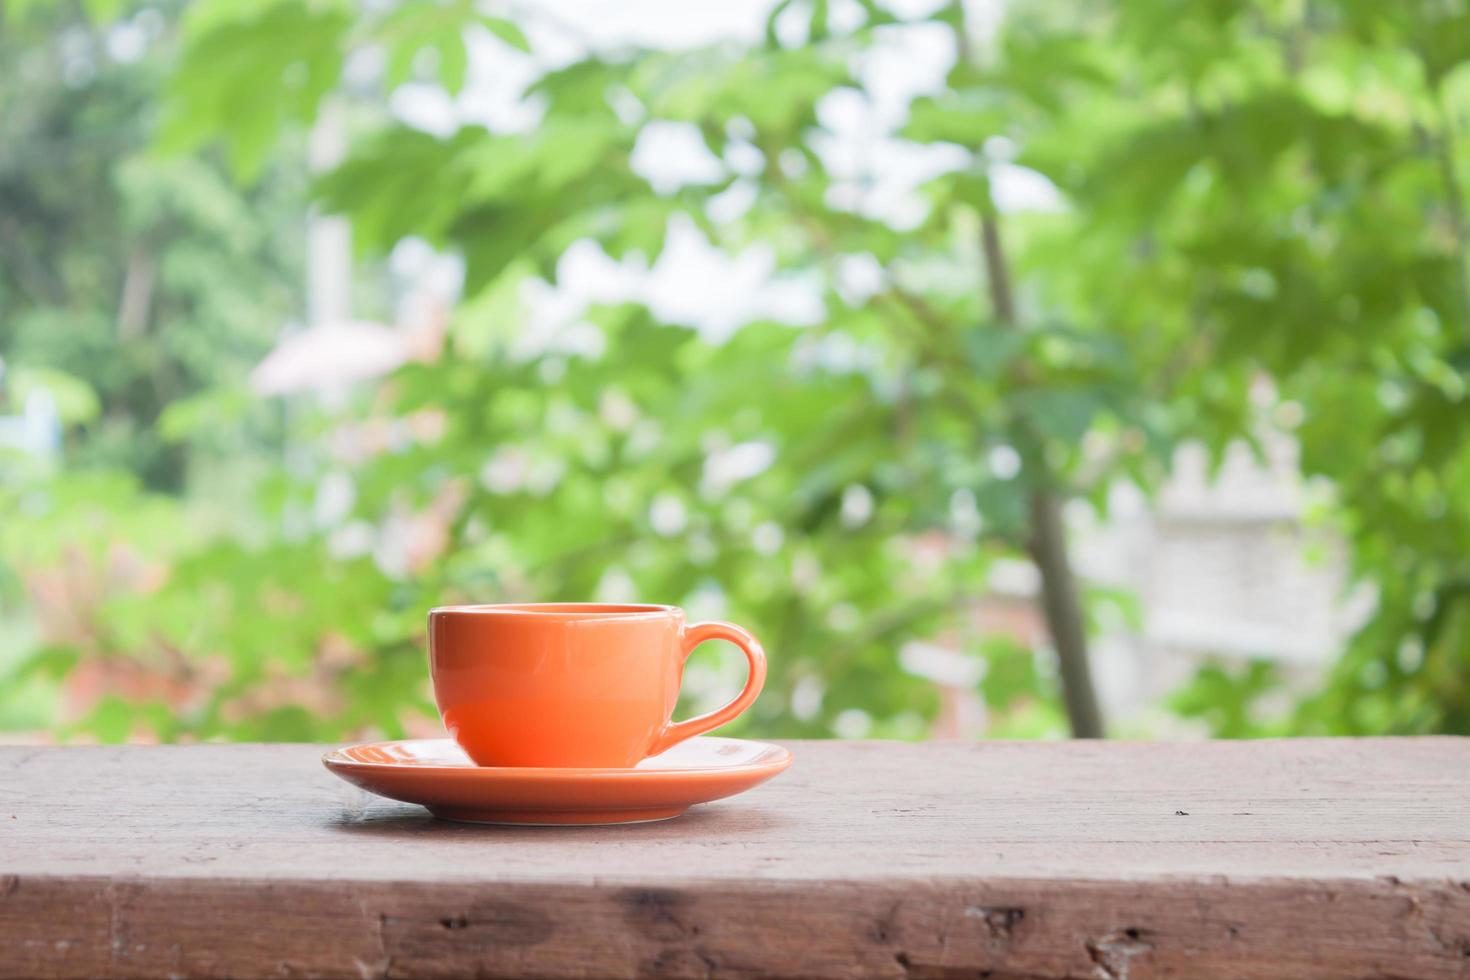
{"points": [[329, 356]]}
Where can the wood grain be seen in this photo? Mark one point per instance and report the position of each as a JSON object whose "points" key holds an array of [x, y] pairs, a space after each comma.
{"points": [[1309, 858]]}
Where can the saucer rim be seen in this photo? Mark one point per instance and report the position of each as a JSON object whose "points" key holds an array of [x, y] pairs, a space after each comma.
{"points": [[335, 760]]}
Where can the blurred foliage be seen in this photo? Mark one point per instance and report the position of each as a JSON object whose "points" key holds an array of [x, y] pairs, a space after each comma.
{"points": [[147, 280], [1285, 198], [1263, 226]]}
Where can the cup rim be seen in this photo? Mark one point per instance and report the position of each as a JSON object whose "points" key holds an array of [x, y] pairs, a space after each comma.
{"points": [[560, 610]]}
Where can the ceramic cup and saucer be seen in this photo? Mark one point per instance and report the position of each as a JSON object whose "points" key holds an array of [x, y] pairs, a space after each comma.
{"points": [[561, 713]]}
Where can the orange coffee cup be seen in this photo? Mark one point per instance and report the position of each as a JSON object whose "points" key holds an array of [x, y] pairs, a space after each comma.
{"points": [[572, 684]]}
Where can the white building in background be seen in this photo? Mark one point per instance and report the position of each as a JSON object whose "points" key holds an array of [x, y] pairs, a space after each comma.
{"points": [[1228, 567], [1225, 567]]}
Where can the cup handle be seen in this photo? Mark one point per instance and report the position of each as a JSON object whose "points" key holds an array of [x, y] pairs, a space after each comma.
{"points": [[677, 732]]}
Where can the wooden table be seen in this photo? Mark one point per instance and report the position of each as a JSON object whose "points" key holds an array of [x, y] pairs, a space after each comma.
{"points": [[1306, 858]]}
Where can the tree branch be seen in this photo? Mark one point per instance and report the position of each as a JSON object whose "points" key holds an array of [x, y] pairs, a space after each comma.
{"points": [[1060, 601]]}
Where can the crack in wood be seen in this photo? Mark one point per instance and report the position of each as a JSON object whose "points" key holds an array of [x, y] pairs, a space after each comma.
{"points": [[886, 928], [659, 913], [117, 941], [379, 968], [1455, 947], [678, 961], [1112, 954], [1000, 922]]}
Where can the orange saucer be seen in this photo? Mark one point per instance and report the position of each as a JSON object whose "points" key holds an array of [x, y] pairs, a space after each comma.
{"points": [[437, 774]]}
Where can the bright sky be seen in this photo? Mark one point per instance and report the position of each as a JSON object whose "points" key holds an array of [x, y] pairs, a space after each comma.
{"points": [[692, 282]]}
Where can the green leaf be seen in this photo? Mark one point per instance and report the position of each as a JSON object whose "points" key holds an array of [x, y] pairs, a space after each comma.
{"points": [[103, 11], [991, 348], [76, 402], [1226, 699], [1010, 674], [247, 78], [1064, 414], [779, 8], [17, 11], [112, 721], [189, 417], [967, 118], [414, 29], [508, 32], [53, 662]]}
